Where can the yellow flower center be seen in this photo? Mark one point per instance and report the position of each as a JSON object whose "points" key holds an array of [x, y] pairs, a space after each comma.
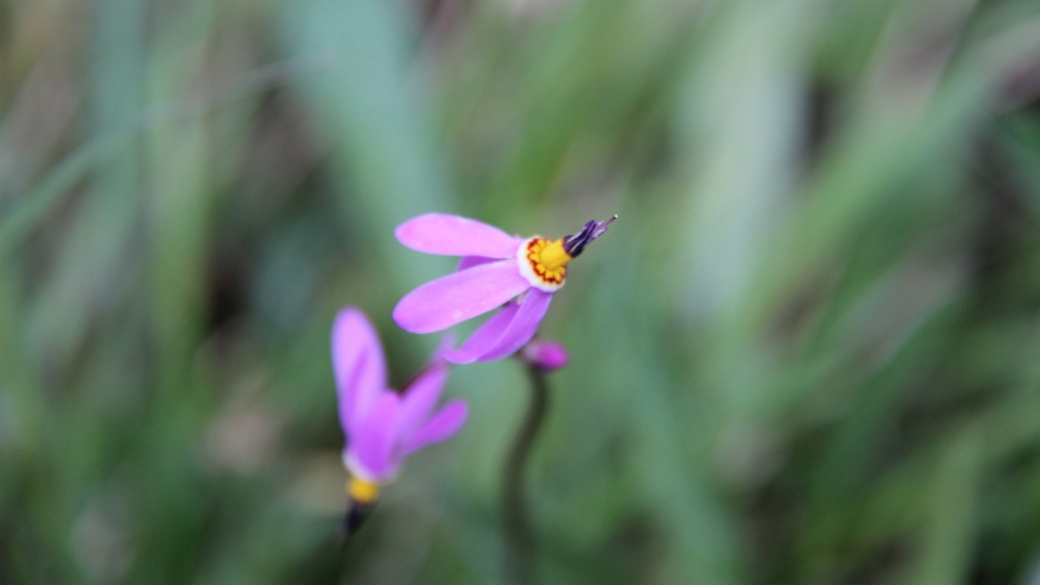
{"points": [[543, 262], [361, 491]]}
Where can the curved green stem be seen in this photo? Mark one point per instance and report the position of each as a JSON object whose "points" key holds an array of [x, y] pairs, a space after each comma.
{"points": [[520, 539]]}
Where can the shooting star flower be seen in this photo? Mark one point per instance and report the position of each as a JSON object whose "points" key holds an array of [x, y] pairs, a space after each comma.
{"points": [[382, 426], [496, 270]]}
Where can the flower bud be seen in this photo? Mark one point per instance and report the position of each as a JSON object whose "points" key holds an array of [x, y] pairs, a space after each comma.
{"points": [[545, 355]]}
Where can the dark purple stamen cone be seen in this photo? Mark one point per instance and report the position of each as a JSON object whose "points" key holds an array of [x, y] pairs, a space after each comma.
{"points": [[575, 244], [353, 518]]}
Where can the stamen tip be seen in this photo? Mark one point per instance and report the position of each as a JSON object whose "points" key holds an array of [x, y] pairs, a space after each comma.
{"points": [[592, 230]]}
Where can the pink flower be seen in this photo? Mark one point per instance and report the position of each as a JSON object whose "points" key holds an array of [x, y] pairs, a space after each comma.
{"points": [[383, 426], [496, 269]]}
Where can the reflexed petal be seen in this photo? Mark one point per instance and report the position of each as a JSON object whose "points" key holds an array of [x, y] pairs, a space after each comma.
{"points": [[441, 303], [451, 235], [471, 261], [521, 329], [371, 443], [485, 337], [443, 425], [420, 398], [358, 365]]}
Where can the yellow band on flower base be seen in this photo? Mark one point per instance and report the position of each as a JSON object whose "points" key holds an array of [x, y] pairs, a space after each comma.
{"points": [[543, 262], [361, 491]]}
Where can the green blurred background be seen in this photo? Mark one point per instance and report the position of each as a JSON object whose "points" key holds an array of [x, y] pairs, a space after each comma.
{"points": [[808, 352]]}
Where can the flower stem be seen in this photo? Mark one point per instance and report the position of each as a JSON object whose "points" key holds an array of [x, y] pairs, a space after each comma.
{"points": [[519, 537]]}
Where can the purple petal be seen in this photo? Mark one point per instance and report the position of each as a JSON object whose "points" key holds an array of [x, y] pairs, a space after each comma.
{"points": [[419, 400], [523, 327], [484, 337], [471, 261], [441, 303], [519, 331], [546, 355], [443, 425], [370, 445], [358, 365], [451, 235]]}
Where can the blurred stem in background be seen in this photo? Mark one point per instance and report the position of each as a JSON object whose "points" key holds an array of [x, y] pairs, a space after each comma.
{"points": [[521, 542]]}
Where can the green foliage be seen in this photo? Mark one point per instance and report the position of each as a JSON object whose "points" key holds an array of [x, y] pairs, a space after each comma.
{"points": [[808, 351]]}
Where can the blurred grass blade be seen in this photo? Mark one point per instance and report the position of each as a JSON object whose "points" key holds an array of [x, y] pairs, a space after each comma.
{"points": [[17, 224], [953, 526], [366, 104], [41, 200]]}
